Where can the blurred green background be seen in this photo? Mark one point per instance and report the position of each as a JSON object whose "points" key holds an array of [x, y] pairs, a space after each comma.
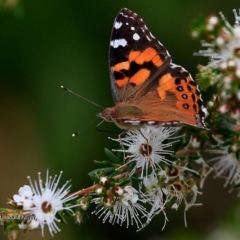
{"points": [[48, 43]]}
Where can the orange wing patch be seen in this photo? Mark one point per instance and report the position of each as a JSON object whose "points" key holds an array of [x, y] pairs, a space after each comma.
{"points": [[149, 54], [165, 84], [121, 66], [183, 89], [133, 55], [122, 82], [140, 77]]}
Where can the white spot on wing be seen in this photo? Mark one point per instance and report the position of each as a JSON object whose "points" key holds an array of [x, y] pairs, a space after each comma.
{"points": [[126, 16], [151, 34], [136, 37], [151, 122], [148, 38], [118, 42], [117, 25], [132, 28], [133, 122]]}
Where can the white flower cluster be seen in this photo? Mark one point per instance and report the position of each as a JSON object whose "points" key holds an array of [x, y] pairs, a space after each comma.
{"points": [[170, 188], [41, 201], [164, 183], [147, 148], [123, 206], [224, 48], [224, 72], [226, 163]]}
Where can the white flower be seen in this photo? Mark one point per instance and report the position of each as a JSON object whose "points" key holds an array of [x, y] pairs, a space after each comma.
{"points": [[172, 186], [24, 197], [130, 196], [125, 208], [213, 20], [30, 224], [186, 192], [195, 142], [156, 197], [226, 165], [211, 23], [150, 182], [225, 48], [146, 148], [47, 200]]}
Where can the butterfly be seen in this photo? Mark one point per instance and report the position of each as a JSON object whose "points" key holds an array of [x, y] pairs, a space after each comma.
{"points": [[147, 88]]}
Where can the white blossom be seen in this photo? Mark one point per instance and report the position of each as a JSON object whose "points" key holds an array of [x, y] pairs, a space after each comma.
{"points": [[41, 202], [146, 148], [126, 208]]}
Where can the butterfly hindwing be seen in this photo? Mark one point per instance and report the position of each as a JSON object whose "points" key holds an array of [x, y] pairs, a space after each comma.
{"points": [[176, 99]]}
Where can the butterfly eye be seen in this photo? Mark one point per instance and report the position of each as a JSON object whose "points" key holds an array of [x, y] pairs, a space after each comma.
{"points": [[108, 114]]}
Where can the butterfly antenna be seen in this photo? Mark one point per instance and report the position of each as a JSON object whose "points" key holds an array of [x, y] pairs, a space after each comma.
{"points": [[68, 90], [99, 125], [76, 133]]}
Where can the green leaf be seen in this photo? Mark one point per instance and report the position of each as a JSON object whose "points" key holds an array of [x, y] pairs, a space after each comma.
{"points": [[116, 172], [137, 180], [61, 216], [111, 156], [104, 163], [94, 175], [125, 182]]}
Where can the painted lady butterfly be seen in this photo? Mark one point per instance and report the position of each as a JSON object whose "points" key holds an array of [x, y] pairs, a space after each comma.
{"points": [[147, 88]]}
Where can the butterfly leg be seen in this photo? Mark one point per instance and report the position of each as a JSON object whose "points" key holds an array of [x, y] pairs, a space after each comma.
{"points": [[120, 140]]}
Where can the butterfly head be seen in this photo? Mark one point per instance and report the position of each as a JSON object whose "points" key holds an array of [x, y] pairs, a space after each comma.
{"points": [[108, 114]]}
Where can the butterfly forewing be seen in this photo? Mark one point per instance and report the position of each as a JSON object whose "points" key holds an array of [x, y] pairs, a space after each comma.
{"points": [[136, 57]]}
